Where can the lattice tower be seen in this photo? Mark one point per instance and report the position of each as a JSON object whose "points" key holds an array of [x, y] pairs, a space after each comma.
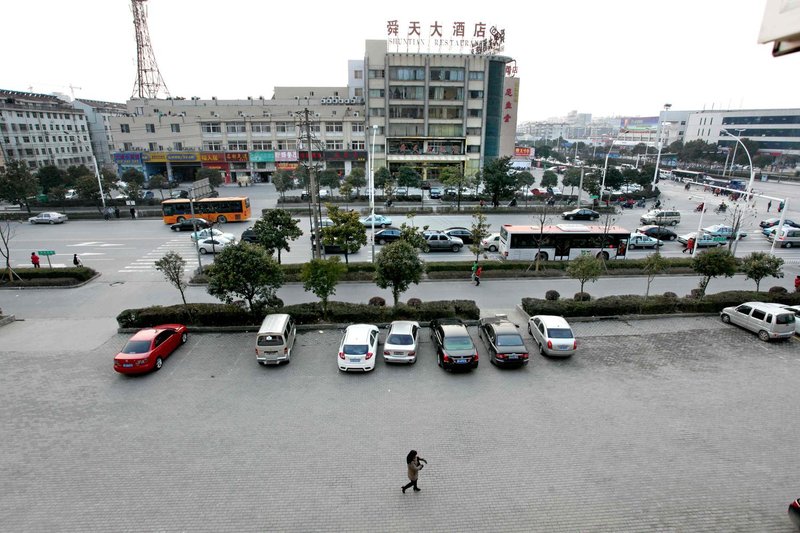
{"points": [[149, 83]]}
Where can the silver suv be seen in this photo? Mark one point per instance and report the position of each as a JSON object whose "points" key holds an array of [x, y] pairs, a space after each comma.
{"points": [[436, 240]]}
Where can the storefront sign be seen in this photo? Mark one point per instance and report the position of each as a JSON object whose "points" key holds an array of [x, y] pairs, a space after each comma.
{"points": [[128, 158], [182, 156], [212, 157], [285, 155], [315, 156], [345, 155], [445, 36], [236, 156], [217, 166], [286, 166], [154, 157], [262, 157], [522, 151]]}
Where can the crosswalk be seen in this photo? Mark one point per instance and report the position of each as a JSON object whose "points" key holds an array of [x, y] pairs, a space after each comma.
{"points": [[184, 247]]}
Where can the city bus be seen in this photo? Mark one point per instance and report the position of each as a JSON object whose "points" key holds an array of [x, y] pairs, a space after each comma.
{"points": [[687, 175], [562, 242], [220, 210]]}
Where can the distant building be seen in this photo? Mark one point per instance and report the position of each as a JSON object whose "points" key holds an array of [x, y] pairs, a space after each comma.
{"points": [[97, 118], [776, 131]]}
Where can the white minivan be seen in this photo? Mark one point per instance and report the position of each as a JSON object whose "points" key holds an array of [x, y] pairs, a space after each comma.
{"points": [[769, 321], [275, 339]]}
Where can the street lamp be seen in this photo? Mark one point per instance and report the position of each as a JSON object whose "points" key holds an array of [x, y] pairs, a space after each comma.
{"points": [[749, 159], [372, 188], [733, 160], [660, 145], [605, 167]]}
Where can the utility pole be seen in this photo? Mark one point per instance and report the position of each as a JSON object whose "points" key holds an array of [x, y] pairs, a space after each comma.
{"points": [[305, 122]]}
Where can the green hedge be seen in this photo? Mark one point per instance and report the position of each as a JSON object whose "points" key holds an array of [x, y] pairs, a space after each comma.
{"points": [[50, 277], [636, 304], [307, 313]]}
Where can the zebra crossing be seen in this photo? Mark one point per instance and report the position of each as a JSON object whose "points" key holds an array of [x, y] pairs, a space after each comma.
{"points": [[183, 246]]}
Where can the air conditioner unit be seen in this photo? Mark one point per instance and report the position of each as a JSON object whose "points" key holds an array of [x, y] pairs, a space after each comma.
{"points": [[267, 114]]}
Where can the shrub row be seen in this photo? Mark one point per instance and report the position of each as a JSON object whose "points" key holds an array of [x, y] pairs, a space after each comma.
{"points": [[627, 265], [39, 277], [664, 304], [221, 315]]}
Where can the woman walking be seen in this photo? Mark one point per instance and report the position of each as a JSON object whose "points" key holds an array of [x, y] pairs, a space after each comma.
{"points": [[414, 466]]}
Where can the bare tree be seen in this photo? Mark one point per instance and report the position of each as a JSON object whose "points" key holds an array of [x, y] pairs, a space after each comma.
{"points": [[172, 265], [6, 234], [543, 217]]}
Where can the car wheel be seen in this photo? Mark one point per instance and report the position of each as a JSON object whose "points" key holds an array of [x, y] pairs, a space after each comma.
{"points": [[726, 319], [381, 241], [763, 335], [455, 248], [672, 237], [52, 222], [493, 248], [184, 337], [603, 256], [570, 218], [673, 223], [788, 245], [181, 219], [221, 219], [541, 349], [32, 221], [530, 332], [159, 363], [412, 361], [439, 361], [203, 251]]}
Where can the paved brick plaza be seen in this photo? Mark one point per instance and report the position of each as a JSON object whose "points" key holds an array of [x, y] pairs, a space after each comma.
{"points": [[651, 431]]}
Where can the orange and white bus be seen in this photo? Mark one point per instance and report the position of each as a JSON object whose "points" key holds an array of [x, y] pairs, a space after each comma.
{"points": [[562, 242], [219, 210]]}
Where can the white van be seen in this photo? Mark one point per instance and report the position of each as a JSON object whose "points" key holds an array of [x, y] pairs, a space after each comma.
{"points": [[275, 339], [789, 237], [769, 321]]}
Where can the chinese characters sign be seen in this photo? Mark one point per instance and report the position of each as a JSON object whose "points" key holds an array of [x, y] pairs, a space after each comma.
{"points": [[438, 36]]}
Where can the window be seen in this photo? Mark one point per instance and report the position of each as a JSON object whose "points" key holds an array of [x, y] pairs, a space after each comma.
{"points": [[476, 74], [446, 130], [358, 74], [476, 94], [473, 149], [445, 93], [376, 93], [126, 147], [445, 112], [758, 314], [287, 145], [235, 127], [260, 127], [284, 127], [407, 73], [376, 73], [400, 92], [357, 145], [238, 146], [358, 91], [262, 145], [399, 111], [377, 112], [212, 146], [447, 74], [334, 145], [175, 128], [473, 131], [357, 127], [210, 127], [152, 146], [177, 145], [475, 113], [150, 128], [333, 127]]}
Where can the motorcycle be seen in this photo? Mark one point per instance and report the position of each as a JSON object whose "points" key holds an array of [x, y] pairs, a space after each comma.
{"points": [[721, 208], [699, 208], [640, 203]]}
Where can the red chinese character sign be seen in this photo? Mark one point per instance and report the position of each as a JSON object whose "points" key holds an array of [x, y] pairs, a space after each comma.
{"points": [[508, 124], [477, 38]]}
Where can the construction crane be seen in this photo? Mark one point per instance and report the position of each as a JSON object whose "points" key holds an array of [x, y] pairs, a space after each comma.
{"points": [[149, 83]]}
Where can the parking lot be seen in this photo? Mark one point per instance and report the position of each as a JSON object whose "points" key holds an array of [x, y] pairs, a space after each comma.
{"points": [[675, 424]]}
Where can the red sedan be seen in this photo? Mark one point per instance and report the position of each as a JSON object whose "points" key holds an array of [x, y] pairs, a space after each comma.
{"points": [[148, 348]]}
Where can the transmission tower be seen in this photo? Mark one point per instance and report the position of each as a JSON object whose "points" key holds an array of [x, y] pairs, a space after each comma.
{"points": [[149, 83]]}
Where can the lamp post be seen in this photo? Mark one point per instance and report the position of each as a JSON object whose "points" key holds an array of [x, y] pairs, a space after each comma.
{"points": [[605, 168], [372, 188], [749, 160], [99, 183], [735, 146], [660, 145]]}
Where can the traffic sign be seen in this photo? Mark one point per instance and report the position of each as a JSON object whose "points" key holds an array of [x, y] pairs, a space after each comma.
{"points": [[46, 252]]}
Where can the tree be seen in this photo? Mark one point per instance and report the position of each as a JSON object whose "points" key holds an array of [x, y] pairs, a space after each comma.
{"points": [[397, 266], [455, 178], [6, 235], [329, 178], [157, 182], [172, 265], [585, 268], [498, 182], [76, 171], [713, 263], [87, 187], [135, 180], [283, 181], [525, 181], [17, 184], [542, 217], [614, 178], [382, 176], [549, 179], [347, 231], [479, 230], [320, 276], [357, 179], [408, 177], [631, 175], [759, 265], [213, 176], [346, 191], [275, 229], [413, 235], [246, 271], [571, 179], [51, 177], [654, 265]]}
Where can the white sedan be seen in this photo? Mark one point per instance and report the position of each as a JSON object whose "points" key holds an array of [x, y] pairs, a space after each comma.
{"points": [[215, 233], [48, 217], [212, 246], [380, 221], [639, 240], [401, 342], [358, 348]]}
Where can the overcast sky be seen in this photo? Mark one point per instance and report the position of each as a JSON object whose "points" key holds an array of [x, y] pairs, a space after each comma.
{"points": [[612, 57]]}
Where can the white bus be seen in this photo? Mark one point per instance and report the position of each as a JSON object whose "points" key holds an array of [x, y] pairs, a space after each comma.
{"points": [[562, 242]]}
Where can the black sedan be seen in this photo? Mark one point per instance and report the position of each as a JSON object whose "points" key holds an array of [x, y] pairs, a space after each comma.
{"points": [[454, 347], [658, 232], [387, 235], [580, 214], [249, 235], [462, 233], [190, 224]]}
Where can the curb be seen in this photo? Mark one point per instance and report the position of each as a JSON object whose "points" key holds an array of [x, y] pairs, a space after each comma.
{"points": [[300, 327], [519, 308], [8, 319]]}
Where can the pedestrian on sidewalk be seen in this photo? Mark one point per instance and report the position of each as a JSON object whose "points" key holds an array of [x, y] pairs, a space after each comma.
{"points": [[414, 463], [474, 268], [780, 207], [35, 260], [478, 273], [769, 206], [797, 283], [116, 211], [76, 260], [133, 213], [689, 246]]}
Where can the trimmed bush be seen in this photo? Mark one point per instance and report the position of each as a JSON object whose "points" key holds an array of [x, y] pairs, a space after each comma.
{"points": [[582, 297], [670, 294], [377, 301], [778, 290], [552, 295], [414, 302]]}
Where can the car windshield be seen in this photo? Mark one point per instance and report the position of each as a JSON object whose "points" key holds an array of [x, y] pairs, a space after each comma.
{"points": [[270, 340], [136, 347], [509, 340], [784, 319], [458, 343], [400, 339], [559, 333], [355, 349]]}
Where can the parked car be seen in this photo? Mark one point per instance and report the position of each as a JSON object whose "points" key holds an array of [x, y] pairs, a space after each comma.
{"points": [[212, 245], [462, 233], [723, 232], [48, 217], [249, 235], [215, 233], [658, 232], [435, 193], [580, 214], [401, 342], [491, 243], [380, 221], [705, 240], [640, 240], [147, 348], [190, 224], [436, 241], [358, 348], [661, 217], [401, 191], [454, 347], [387, 235], [766, 230], [796, 310], [503, 342], [774, 221], [323, 223], [769, 321], [553, 335], [71, 194], [179, 194]]}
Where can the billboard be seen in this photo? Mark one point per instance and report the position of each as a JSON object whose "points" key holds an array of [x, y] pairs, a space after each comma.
{"points": [[638, 123]]}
